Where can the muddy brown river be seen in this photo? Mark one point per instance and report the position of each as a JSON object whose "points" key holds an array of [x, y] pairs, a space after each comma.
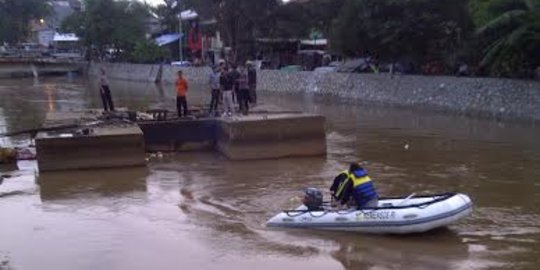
{"points": [[201, 211]]}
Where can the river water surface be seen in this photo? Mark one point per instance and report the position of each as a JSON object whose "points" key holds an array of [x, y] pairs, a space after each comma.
{"points": [[200, 211]]}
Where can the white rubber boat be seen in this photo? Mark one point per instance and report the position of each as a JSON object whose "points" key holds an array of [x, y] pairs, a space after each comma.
{"points": [[412, 214]]}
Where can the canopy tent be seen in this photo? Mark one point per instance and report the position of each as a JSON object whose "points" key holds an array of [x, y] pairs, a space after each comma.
{"points": [[314, 42], [167, 39], [64, 37], [188, 15]]}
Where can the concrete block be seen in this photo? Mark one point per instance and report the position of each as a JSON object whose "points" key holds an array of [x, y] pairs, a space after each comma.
{"points": [[272, 136], [179, 135], [107, 147]]}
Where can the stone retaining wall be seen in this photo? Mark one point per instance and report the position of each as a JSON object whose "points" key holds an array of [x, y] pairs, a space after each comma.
{"points": [[22, 69], [486, 97]]}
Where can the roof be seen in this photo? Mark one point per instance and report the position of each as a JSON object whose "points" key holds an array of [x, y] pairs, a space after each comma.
{"points": [[314, 42], [167, 39], [59, 37], [277, 40], [188, 15]]}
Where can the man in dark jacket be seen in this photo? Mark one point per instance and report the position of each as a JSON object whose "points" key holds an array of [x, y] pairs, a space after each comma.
{"points": [[252, 82], [227, 85], [235, 74]]}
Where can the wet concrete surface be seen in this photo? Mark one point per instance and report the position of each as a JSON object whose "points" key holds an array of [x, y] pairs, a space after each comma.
{"points": [[200, 211]]}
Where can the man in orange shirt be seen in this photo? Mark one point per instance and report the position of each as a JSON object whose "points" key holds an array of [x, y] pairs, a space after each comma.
{"points": [[181, 90]]}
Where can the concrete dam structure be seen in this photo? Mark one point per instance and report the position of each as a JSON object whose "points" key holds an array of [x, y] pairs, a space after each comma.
{"points": [[89, 144]]}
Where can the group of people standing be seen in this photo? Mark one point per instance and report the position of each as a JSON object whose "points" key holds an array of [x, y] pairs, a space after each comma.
{"points": [[233, 83], [229, 85]]}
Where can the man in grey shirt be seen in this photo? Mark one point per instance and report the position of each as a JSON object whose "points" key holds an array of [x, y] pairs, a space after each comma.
{"points": [[214, 84], [105, 92]]}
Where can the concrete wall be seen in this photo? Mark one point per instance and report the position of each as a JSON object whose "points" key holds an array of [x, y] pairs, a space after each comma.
{"points": [[179, 135], [486, 97], [272, 136], [21, 69], [107, 148], [241, 138]]}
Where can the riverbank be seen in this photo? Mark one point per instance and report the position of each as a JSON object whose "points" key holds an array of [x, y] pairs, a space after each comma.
{"points": [[479, 97]]}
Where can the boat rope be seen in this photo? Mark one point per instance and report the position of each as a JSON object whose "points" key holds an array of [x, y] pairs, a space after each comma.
{"points": [[295, 213]]}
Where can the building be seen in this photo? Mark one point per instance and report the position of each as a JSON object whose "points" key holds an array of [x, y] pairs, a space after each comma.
{"points": [[43, 30]]}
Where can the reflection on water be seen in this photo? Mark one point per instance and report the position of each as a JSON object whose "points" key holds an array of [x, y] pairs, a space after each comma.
{"points": [[441, 249], [79, 185], [200, 211]]}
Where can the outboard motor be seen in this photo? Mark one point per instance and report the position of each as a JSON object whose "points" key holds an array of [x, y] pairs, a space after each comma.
{"points": [[313, 199]]}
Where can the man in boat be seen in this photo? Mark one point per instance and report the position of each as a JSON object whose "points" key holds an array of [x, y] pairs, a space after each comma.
{"points": [[355, 188], [338, 181]]}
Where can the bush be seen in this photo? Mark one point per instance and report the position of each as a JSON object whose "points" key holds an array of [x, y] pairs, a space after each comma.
{"points": [[147, 52]]}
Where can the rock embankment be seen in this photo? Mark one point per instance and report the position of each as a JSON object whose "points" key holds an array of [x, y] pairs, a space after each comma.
{"points": [[486, 97]]}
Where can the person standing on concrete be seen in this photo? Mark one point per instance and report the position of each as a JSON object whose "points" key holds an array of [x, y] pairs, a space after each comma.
{"points": [[215, 85], [243, 90], [105, 91], [252, 82], [227, 83], [181, 90], [234, 76]]}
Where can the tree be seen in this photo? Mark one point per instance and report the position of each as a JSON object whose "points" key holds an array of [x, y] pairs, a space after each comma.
{"points": [[510, 32], [240, 21], [421, 30], [168, 14], [146, 51], [299, 19], [321, 13], [109, 24], [16, 16]]}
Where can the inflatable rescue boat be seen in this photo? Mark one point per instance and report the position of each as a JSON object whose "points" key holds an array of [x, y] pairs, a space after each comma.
{"points": [[412, 214]]}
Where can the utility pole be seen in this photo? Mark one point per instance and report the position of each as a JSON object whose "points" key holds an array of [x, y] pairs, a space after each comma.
{"points": [[180, 49], [180, 45]]}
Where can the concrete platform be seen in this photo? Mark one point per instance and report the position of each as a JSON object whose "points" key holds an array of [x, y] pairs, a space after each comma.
{"points": [[107, 145], [267, 133], [179, 135], [272, 136]]}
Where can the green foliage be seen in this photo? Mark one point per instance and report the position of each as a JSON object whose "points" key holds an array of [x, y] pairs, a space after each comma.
{"points": [[421, 30], [287, 21], [349, 37], [168, 12], [300, 20], [109, 24], [148, 52], [506, 40], [321, 13], [239, 21], [511, 37], [16, 15]]}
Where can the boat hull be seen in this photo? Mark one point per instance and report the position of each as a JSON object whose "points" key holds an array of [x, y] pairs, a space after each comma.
{"points": [[393, 216]]}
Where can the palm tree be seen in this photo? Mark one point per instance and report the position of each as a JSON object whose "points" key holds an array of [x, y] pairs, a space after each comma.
{"points": [[511, 37]]}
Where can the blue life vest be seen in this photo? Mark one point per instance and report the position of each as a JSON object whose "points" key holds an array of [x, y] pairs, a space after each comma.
{"points": [[363, 188]]}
